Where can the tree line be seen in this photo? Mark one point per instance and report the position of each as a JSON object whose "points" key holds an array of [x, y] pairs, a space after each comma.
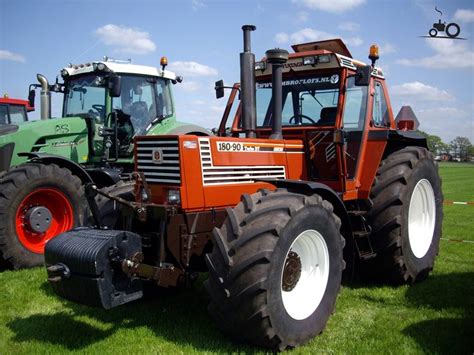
{"points": [[459, 148]]}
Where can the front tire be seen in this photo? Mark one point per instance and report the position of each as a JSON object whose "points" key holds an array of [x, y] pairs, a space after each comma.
{"points": [[275, 269], [406, 216], [37, 202]]}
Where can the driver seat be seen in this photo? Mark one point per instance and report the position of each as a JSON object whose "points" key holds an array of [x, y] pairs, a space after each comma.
{"points": [[328, 116]]}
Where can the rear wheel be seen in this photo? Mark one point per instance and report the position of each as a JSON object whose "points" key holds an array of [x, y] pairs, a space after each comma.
{"points": [[110, 210], [406, 216], [37, 202], [275, 269]]}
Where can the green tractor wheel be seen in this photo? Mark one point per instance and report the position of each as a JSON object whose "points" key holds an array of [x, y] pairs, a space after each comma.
{"points": [[37, 202]]}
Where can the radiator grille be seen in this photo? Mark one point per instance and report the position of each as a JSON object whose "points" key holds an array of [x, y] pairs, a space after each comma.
{"points": [[166, 170], [220, 175]]}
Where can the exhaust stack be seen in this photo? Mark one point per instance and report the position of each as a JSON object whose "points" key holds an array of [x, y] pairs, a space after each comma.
{"points": [[45, 98], [277, 57], [247, 85]]}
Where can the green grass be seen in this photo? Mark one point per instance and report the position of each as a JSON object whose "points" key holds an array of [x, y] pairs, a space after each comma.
{"points": [[436, 316]]}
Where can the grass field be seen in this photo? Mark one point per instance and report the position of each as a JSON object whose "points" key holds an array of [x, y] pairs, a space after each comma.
{"points": [[436, 316]]}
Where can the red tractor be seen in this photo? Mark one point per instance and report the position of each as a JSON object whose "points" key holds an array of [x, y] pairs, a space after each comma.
{"points": [[311, 172], [14, 110]]}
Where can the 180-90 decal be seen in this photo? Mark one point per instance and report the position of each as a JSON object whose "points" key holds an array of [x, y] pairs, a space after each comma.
{"points": [[242, 147]]}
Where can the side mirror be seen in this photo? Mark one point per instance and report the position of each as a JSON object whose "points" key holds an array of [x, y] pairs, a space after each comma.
{"points": [[31, 98], [219, 87], [362, 77], [115, 85]]}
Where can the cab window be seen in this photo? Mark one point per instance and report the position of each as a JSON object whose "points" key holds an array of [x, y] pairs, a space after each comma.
{"points": [[379, 111], [17, 114]]}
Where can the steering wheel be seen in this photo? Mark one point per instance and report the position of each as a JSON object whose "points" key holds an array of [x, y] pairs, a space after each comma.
{"points": [[293, 118], [100, 109]]}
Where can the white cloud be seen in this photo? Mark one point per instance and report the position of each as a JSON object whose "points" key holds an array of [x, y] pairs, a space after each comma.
{"points": [[302, 16], [15, 57], [416, 92], [197, 4], [446, 122], [464, 15], [354, 41], [189, 86], [334, 6], [192, 69], [349, 26], [449, 54], [310, 34], [126, 39], [386, 48]]}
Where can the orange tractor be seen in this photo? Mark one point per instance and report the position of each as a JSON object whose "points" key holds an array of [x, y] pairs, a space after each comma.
{"points": [[311, 173]]}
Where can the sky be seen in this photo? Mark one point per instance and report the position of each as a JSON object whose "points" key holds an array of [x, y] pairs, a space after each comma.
{"points": [[202, 40]]}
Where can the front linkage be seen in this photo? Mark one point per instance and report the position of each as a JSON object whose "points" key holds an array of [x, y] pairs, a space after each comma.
{"points": [[101, 267]]}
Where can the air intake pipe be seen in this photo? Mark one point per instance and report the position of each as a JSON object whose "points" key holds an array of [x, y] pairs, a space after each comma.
{"points": [[247, 85], [277, 57], [45, 98]]}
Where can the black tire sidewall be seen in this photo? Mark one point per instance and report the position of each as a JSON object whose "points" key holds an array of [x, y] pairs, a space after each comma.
{"points": [[23, 188], [298, 331], [424, 169], [433, 30], [453, 35]]}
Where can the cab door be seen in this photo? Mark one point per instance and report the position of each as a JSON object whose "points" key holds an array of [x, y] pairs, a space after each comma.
{"points": [[353, 124]]}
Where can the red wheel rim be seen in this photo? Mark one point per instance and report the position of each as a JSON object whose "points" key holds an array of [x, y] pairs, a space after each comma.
{"points": [[62, 218]]}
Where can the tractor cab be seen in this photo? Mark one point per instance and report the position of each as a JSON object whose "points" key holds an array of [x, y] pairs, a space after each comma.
{"points": [[327, 104], [118, 99]]}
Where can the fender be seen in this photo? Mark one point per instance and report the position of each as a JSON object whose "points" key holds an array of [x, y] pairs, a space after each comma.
{"points": [[75, 168], [104, 176], [190, 129], [6, 153], [310, 187]]}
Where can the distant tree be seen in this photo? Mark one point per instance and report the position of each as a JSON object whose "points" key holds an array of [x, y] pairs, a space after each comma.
{"points": [[444, 148], [435, 143], [461, 147]]}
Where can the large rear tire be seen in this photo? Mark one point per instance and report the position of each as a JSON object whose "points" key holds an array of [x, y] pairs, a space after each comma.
{"points": [[37, 202], [275, 269], [406, 216], [110, 210]]}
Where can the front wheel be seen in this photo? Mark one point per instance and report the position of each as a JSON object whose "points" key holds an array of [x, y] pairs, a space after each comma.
{"points": [[453, 30], [433, 32], [37, 202], [275, 269]]}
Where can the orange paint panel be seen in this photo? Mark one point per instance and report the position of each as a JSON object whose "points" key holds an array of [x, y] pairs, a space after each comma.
{"points": [[190, 164], [372, 157]]}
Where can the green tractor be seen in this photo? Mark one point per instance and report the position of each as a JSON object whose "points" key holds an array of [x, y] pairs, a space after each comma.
{"points": [[45, 163]]}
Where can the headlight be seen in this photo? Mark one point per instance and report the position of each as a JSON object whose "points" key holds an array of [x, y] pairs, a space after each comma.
{"points": [[324, 58], [309, 61], [260, 65], [101, 66], [64, 73], [174, 197]]}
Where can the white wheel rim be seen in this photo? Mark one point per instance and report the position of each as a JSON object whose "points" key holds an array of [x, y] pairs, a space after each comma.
{"points": [[421, 218], [302, 300]]}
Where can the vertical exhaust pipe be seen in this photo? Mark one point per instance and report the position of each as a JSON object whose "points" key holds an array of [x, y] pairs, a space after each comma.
{"points": [[277, 57], [247, 85], [45, 98]]}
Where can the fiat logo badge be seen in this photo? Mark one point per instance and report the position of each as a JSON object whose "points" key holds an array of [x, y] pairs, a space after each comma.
{"points": [[157, 156]]}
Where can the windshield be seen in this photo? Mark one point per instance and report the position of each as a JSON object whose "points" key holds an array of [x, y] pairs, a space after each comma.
{"points": [[309, 100], [85, 95], [143, 100]]}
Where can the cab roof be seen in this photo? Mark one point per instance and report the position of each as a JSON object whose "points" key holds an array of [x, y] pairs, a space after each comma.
{"points": [[119, 68], [333, 51]]}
